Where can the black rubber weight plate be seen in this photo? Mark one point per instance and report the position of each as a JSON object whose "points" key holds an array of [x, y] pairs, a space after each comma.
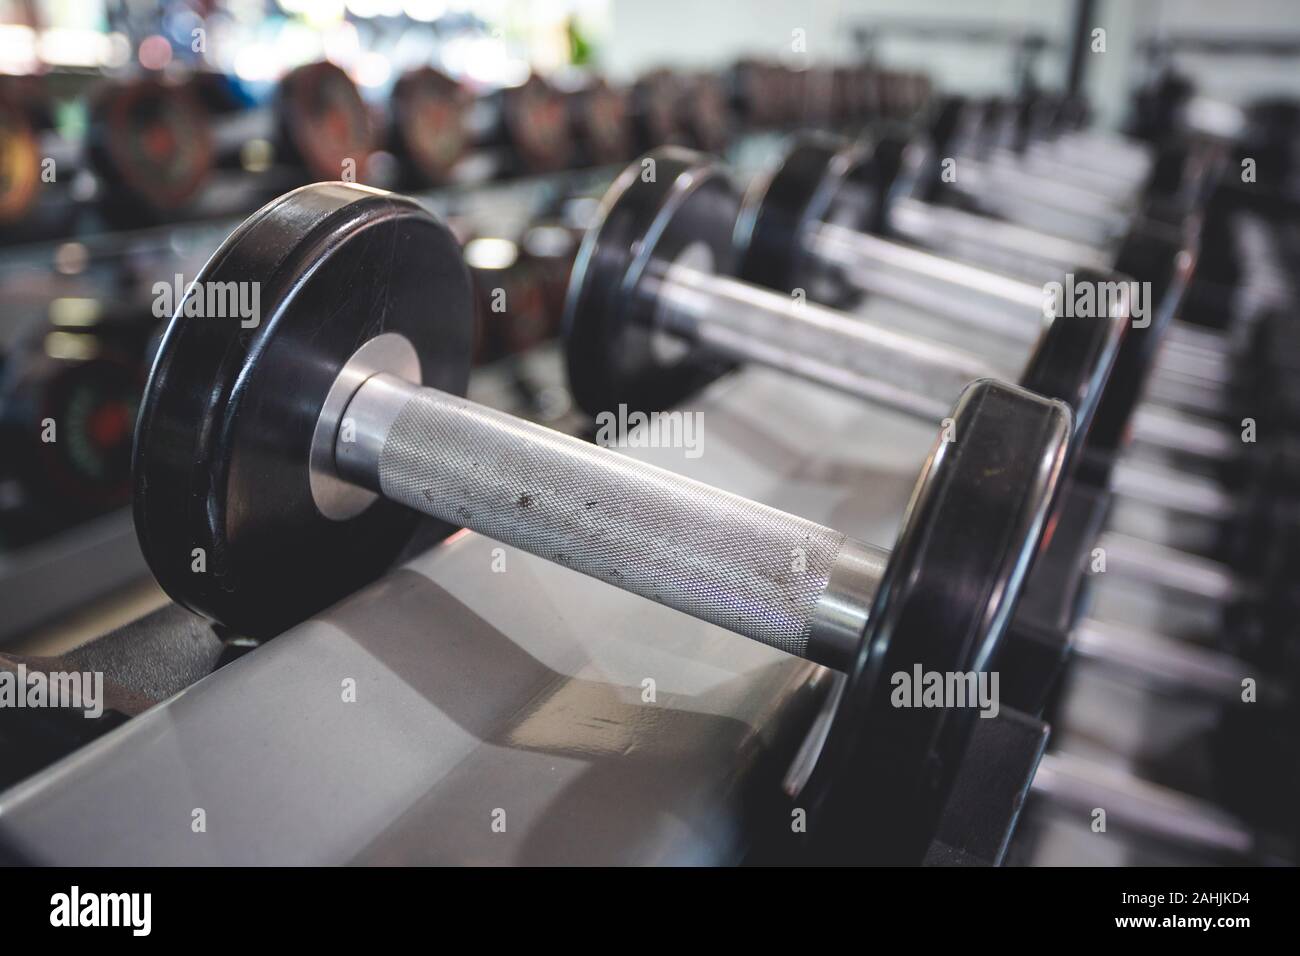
{"points": [[1076, 354], [820, 179], [429, 117], [323, 120], [152, 142], [973, 525], [643, 227], [225, 428]]}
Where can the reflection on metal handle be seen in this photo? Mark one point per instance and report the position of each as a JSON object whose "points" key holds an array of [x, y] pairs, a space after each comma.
{"points": [[748, 323], [759, 572]]}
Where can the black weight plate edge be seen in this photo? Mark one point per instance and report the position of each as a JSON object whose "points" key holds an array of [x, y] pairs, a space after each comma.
{"points": [[272, 559], [971, 530], [1168, 264], [817, 178], [1075, 356], [608, 321]]}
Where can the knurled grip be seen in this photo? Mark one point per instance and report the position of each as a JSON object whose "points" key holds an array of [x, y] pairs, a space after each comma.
{"points": [[738, 564]]}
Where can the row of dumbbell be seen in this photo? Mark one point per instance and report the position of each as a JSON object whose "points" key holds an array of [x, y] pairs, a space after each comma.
{"points": [[156, 146], [666, 260]]}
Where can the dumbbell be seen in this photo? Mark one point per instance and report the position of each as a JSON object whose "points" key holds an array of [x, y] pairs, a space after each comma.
{"points": [[69, 390], [793, 248], [145, 158], [525, 126], [317, 127], [428, 126], [529, 128], [653, 314], [621, 294], [1191, 360], [916, 205], [1053, 196], [691, 297], [655, 274], [298, 455], [810, 225], [27, 207], [706, 120], [152, 147], [599, 117], [1054, 202], [655, 98], [1075, 788], [796, 231], [1194, 368], [1011, 134], [514, 311]]}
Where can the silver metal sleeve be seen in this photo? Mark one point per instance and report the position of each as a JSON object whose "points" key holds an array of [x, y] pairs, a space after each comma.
{"points": [[1033, 255], [742, 321], [1077, 786], [759, 572], [1160, 660], [1133, 559], [1171, 490], [967, 294], [1171, 431]]}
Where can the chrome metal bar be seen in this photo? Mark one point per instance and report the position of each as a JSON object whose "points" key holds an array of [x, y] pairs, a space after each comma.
{"points": [[1210, 340], [1108, 158], [1035, 255], [975, 296], [910, 374], [1171, 490], [1066, 167], [1132, 559], [1166, 430], [1214, 369], [759, 572], [1050, 186], [1080, 787], [1182, 394], [1035, 203], [1011, 182], [1160, 660]]}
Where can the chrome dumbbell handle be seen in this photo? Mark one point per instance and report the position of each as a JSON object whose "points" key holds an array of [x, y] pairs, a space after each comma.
{"points": [[751, 569], [1171, 490], [1133, 559], [1167, 430], [1071, 784], [1160, 660], [1040, 202], [1014, 311], [1004, 306], [1014, 249], [748, 323]]}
